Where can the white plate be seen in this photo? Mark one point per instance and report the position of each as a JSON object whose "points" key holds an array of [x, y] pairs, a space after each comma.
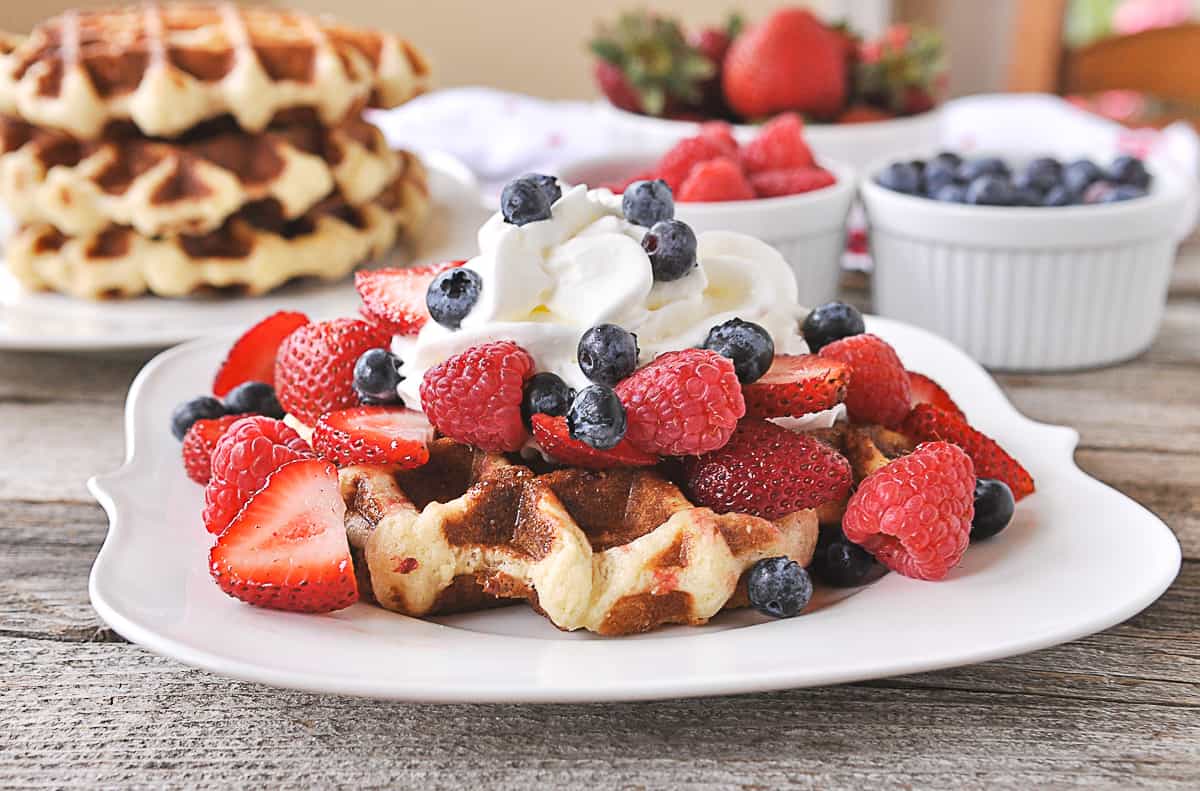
{"points": [[1079, 557], [41, 321]]}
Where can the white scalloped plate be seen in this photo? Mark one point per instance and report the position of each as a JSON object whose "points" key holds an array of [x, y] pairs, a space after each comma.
{"points": [[1078, 558], [31, 321]]}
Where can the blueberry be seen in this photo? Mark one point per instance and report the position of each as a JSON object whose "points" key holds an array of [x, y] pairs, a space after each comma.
{"points": [[949, 158], [991, 190], [596, 417], [900, 177], [607, 354], [919, 165], [951, 193], [547, 184], [452, 294], [648, 202], [831, 322], [546, 394], [1078, 175], [1123, 192], [1026, 183], [1099, 192], [199, 408], [524, 201], [1059, 196], [671, 245], [257, 398], [778, 587], [1026, 196], [747, 344], [1129, 170], [971, 169], [1042, 173], [376, 377], [994, 506], [938, 174], [838, 561]]}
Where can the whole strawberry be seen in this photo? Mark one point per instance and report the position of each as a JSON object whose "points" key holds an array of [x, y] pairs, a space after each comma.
{"points": [[475, 397], [903, 71], [683, 403], [767, 471], [914, 515], [790, 61], [879, 390], [314, 369]]}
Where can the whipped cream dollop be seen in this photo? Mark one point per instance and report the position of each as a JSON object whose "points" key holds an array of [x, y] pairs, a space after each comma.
{"points": [[546, 282]]}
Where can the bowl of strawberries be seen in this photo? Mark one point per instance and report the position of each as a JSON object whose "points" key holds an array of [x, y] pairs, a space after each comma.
{"points": [[771, 187], [863, 99]]}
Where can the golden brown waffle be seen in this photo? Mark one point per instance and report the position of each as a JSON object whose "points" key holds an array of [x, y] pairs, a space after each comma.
{"points": [[615, 552], [191, 186], [168, 67], [254, 251], [867, 448]]}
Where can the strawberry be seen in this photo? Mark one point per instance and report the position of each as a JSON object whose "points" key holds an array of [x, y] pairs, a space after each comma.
{"points": [[616, 87], [677, 164], [927, 423], [774, 183], [374, 435], [314, 369], [287, 549], [554, 438], [722, 133], [718, 179], [396, 297], [646, 65], [767, 471], [795, 385], [475, 396], [252, 356], [864, 114], [879, 391], [250, 449], [788, 62], [779, 145], [713, 43], [902, 71], [198, 445], [926, 391]]}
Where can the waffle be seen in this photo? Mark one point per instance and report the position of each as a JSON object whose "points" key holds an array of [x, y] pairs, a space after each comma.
{"points": [[868, 448], [254, 251], [615, 552], [168, 67], [192, 186]]}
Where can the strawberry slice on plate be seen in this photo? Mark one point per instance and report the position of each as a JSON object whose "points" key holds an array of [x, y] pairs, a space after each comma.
{"points": [[796, 385], [927, 423], [252, 356], [554, 438], [287, 548], [397, 296], [374, 435], [926, 391]]}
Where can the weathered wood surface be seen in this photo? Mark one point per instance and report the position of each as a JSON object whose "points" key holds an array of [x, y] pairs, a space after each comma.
{"points": [[79, 707]]}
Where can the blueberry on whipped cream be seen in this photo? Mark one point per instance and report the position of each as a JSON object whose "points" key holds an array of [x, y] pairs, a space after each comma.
{"points": [[451, 296], [526, 200], [671, 245], [648, 202]]}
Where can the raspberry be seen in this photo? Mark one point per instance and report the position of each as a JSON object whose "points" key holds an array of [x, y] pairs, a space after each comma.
{"points": [[767, 471], [915, 514], [677, 163], [879, 388], [716, 180], [779, 146], [722, 133], [790, 181], [475, 397], [198, 445], [250, 450], [683, 403], [928, 423], [314, 370]]}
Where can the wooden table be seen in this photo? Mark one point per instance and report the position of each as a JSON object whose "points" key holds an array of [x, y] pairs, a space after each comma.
{"points": [[81, 707]]}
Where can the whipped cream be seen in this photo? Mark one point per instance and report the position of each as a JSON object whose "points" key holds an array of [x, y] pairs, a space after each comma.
{"points": [[545, 283]]}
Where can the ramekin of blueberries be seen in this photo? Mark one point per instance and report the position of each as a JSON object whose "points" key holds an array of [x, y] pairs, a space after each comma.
{"points": [[1043, 182]]}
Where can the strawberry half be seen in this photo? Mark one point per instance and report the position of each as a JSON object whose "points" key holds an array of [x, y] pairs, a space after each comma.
{"points": [[287, 548], [926, 391], [927, 423], [252, 356], [397, 296], [797, 384], [374, 435], [554, 438]]}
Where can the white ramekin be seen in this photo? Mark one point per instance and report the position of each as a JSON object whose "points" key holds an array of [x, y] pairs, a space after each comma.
{"points": [[808, 230], [1028, 289], [857, 145]]}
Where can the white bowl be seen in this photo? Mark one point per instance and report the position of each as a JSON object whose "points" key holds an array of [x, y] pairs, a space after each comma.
{"points": [[808, 230], [1045, 289], [858, 145]]}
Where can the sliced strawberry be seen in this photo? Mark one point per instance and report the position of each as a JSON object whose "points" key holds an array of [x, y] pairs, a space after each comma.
{"points": [[252, 356], [199, 443], [795, 385], [374, 435], [287, 548], [397, 296], [554, 438], [927, 391], [927, 423]]}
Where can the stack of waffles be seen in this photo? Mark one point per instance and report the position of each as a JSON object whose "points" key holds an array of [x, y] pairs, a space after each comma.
{"points": [[181, 148]]}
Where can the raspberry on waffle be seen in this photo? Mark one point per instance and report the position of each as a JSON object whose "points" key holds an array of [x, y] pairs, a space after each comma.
{"points": [[255, 250], [187, 186], [166, 68], [615, 552]]}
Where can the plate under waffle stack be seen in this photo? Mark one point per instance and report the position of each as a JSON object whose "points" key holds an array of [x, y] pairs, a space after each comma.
{"points": [[184, 147]]}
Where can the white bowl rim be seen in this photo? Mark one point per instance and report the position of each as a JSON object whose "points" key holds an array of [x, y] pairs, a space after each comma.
{"points": [[814, 127]]}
